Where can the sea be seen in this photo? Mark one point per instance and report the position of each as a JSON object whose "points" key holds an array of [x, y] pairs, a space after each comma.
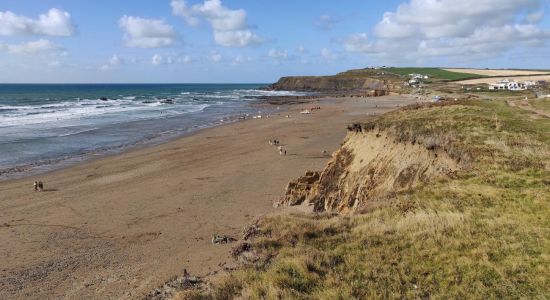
{"points": [[45, 126]]}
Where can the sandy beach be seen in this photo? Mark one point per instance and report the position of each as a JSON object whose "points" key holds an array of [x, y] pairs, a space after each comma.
{"points": [[119, 226]]}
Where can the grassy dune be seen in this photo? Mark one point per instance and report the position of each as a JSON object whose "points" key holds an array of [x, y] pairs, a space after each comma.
{"points": [[483, 234]]}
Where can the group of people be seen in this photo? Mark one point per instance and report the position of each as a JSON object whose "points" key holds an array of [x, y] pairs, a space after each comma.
{"points": [[38, 186], [277, 143]]}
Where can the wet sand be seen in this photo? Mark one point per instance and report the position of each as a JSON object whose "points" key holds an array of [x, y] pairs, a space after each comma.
{"points": [[119, 226]]}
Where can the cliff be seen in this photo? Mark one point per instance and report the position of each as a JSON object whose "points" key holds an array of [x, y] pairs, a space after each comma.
{"points": [[374, 163], [327, 84], [359, 80], [369, 166]]}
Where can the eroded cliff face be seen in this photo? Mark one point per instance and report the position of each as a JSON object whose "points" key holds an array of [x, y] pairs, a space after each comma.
{"points": [[370, 165], [328, 84]]}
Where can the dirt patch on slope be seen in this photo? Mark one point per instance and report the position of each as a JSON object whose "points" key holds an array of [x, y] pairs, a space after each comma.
{"points": [[369, 166]]}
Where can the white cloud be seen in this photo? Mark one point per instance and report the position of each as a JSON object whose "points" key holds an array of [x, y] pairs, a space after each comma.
{"points": [[534, 17], [180, 8], [53, 23], [444, 18], [236, 38], [301, 49], [357, 43], [147, 33], [328, 54], [169, 59], [187, 59], [113, 62], [485, 41], [41, 46], [157, 59], [448, 28], [55, 64], [215, 57], [325, 22], [278, 54], [229, 26], [239, 60]]}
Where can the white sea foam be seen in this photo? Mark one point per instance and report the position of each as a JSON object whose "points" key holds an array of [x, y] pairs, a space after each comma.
{"points": [[77, 132], [66, 111]]}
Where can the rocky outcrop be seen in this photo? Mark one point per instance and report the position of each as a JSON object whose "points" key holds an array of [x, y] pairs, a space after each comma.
{"points": [[298, 190], [370, 165], [327, 84]]}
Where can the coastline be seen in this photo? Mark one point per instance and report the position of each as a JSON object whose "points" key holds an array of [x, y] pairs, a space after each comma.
{"points": [[120, 225], [45, 166]]}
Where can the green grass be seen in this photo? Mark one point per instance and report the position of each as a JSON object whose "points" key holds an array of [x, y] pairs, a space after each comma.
{"points": [[483, 234], [434, 73], [541, 104]]}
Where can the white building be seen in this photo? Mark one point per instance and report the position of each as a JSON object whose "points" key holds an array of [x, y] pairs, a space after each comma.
{"points": [[530, 83], [506, 84]]}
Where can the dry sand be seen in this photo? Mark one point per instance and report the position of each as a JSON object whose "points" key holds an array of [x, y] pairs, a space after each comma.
{"points": [[495, 79], [119, 226], [498, 72]]}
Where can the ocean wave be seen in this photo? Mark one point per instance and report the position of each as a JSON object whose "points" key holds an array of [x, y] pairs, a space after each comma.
{"points": [[77, 132], [33, 115], [125, 107]]}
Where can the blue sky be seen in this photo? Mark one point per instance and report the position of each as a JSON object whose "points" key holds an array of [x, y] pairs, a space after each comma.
{"points": [[259, 41]]}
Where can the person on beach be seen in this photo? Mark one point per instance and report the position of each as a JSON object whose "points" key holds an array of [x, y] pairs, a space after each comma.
{"points": [[38, 186]]}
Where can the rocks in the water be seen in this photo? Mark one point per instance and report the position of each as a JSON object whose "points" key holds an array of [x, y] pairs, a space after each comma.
{"points": [[167, 101]]}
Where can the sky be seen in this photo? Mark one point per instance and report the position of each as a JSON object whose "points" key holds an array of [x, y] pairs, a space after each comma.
{"points": [[243, 41]]}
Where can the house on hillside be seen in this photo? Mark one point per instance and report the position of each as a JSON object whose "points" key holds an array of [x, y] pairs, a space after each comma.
{"points": [[530, 83], [506, 84], [516, 86], [414, 81], [419, 76], [417, 79], [501, 85]]}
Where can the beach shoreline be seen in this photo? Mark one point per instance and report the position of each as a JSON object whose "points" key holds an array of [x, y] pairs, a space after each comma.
{"points": [[118, 226], [45, 166]]}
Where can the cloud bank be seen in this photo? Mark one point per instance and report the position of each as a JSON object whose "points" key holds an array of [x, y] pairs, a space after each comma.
{"points": [[229, 26], [147, 33], [53, 23], [453, 29]]}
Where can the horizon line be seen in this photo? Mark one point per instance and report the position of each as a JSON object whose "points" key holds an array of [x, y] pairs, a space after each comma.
{"points": [[52, 83]]}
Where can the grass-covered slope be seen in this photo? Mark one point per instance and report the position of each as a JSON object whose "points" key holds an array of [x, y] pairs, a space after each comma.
{"points": [[434, 73], [482, 234]]}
